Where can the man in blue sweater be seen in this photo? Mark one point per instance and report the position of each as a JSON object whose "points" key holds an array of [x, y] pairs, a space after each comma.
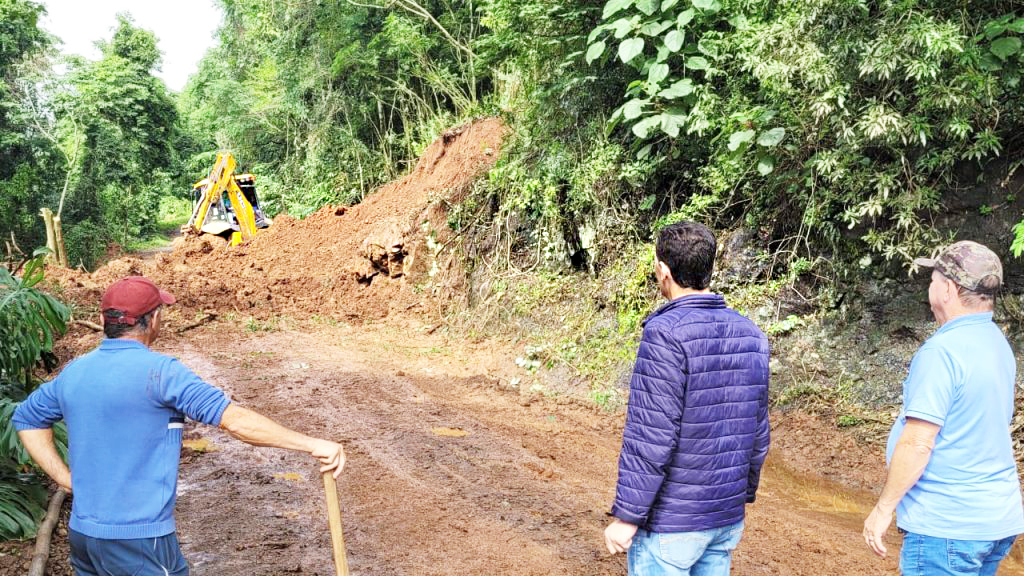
{"points": [[125, 407], [697, 427]]}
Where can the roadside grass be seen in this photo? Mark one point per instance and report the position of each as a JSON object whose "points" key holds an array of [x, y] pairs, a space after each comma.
{"points": [[832, 400], [575, 341], [174, 213]]}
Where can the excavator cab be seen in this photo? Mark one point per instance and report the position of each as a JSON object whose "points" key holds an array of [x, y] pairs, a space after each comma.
{"points": [[224, 204]]}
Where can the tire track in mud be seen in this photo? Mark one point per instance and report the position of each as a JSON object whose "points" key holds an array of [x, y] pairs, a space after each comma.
{"points": [[523, 492], [414, 502]]}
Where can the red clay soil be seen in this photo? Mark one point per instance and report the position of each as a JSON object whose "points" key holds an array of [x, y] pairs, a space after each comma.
{"points": [[450, 474]]}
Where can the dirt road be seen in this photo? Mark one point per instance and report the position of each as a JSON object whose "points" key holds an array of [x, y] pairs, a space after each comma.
{"points": [[447, 473]]}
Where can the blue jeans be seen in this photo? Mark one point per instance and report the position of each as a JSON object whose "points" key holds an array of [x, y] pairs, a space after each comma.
{"points": [[137, 557], [926, 555], [705, 553]]}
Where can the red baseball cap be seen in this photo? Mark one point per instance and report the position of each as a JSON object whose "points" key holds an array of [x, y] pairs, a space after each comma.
{"points": [[133, 296]]}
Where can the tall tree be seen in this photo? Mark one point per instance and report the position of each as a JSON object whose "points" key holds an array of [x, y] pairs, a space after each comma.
{"points": [[26, 158], [128, 121]]}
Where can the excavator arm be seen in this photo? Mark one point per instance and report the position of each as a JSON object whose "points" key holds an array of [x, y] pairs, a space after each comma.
{"points": [[243, 211], [210, 215]]}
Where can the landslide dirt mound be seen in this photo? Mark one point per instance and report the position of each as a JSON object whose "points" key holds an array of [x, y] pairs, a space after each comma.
{"points": [[361, 261]]}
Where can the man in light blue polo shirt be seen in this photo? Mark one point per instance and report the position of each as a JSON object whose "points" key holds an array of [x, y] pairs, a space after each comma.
{"points": [[952, 475], [125, 406]]}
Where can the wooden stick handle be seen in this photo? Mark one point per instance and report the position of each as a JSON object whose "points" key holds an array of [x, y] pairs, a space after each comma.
{"points": [[334, 519], [42, 550]]}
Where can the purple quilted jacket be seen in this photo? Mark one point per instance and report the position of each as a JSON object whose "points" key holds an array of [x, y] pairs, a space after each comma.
{"points": [[697, 424]]}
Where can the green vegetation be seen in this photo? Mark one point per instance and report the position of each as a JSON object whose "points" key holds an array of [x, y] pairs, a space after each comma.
{"points": [[324, 101], [820, 117], [832, 127], [174, 212], [29, 322], [97, 143]]}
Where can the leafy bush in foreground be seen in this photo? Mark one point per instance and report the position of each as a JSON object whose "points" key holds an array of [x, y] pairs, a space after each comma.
{"points": [[29, 321]]}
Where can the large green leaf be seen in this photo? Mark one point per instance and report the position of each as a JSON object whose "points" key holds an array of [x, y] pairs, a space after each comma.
{"points": [[28, 320], [993, 29], [657, 73], [697, 63], [680, 89], [656, 28], [634, 108], [685, 17], [621, 27], [630, 49], [674, 40], [740, 138], [642, 128], [595, 51], [648, 7], [672, 121], [771, 137], [22, 504], [614, 6], [1005, 47]]}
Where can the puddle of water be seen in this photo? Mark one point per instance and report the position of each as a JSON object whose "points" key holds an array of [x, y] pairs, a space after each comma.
{"points": [[846, 506], [200, 445], [449, 432], [816, 493]]}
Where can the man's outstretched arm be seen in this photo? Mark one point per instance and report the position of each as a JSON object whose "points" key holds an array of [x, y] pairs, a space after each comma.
{"points": [[258, 430], [909, 459], [39, 445]]}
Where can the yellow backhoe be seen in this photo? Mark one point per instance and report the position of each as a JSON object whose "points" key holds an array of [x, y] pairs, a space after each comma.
{"points": [[225, 204]]}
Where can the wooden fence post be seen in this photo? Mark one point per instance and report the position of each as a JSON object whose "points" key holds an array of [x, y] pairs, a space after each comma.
{"points": [[51, 235], [58, 234]]}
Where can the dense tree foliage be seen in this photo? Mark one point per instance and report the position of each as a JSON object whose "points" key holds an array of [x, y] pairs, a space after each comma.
{"points": [[26, 156], [326, 100], [126, 121], [822, 116], [96, 144]]}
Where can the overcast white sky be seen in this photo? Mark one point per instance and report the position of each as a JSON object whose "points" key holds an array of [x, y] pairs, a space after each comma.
{"points": [[184, 29]]}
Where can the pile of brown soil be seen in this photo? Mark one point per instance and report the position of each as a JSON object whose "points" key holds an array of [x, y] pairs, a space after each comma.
{"points": [[358, 262]]}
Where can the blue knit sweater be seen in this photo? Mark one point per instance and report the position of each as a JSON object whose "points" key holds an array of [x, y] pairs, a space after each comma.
{"points": [[124, 406]]}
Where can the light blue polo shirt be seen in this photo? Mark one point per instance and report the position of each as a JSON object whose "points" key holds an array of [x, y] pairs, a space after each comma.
{"points": [[962, 378]]}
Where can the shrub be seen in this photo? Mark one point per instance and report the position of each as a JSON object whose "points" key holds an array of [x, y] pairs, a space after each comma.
{"points": [[29, 321], [837, 124]]}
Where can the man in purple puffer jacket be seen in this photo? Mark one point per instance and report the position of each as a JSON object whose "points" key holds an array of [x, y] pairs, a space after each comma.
{"points": [[697, 425]]}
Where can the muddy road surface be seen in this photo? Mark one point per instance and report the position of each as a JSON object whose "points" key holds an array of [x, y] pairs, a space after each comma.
{"points": [[447, 473]]}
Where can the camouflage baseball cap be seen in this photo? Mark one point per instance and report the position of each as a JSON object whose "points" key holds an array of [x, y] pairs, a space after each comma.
{"points": [[966, 263]]}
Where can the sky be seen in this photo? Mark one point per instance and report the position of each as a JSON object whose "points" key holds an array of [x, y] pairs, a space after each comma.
{"points": [[184, 29]]}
